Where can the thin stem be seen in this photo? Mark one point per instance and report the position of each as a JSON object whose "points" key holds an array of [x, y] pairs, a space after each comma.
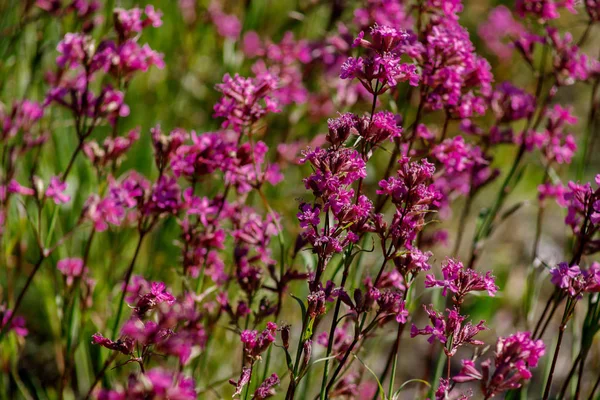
{"points": [[334, 323], [341, 365], [594, 388], [554, 360], [127, 279], [445, 127], [539, 220], [72, 160], [463, 222], [569, 307], [565, 386], [337, 371], [543, 316], [395, 356], [100, 374], [580, 374], [6, 326], [485, 228], [554, 308]]}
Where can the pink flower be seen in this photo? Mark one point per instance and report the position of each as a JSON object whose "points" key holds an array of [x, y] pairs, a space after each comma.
{"points": [[461, 280], [153, 16], [17, 324], [267, 388], [73, 49], [124, 346], [500, 26], [450, 329], [56, 190], [227, 25], [15, 187], [71, 268], [514, 356], [252, 45], [245, 100], [158, 295]]}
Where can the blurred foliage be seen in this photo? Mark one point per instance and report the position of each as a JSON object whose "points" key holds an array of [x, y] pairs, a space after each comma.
{"points": [[183, 95]]}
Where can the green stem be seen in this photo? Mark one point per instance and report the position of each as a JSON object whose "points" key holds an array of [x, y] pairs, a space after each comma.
{"points": [[334, 323], [127, 279], [6, 326]]}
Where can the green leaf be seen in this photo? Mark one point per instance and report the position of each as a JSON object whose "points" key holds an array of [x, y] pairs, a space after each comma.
{"points": [[289, 362], [322, 359], [302, 306], [381, 391], [410, 381], [309, 329]]}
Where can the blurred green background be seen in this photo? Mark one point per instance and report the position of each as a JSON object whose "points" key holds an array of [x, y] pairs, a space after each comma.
{"points": [[183, 95]]}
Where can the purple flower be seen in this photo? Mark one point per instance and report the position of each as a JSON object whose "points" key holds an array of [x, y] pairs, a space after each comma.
{"points": [[56, 190], [413, 261], [468, 372], [450, 330], [112, 150], [22, 117], [124, 346], [74, 48], [242, 381], [245, 100], [165, 197], [15, 187], [228, 26], [153, 16], [510, 103], [514, 356], [256, 343], [309, 215], [383, 12], [267, 388], [394, 304], [340, 128], [499, 26], [544, 9], [158, 294], [384, 66], [570, 65], [130, 22], [17, 324], [382, 126], [448, 8], [593, 9], [461, 280], [71, 268], [157, 383], [458, 79]]}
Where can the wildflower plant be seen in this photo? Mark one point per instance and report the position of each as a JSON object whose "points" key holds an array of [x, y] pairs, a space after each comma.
{"points": [[363, 199]]}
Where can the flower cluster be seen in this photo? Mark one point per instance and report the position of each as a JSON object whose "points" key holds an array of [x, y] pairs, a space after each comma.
{"points": [[514, 357], [156, 383], [175, 330], [461, 280], [383, 69], [386, 117], [450, 329], [574, 281], [245, 100], [458, 80]]}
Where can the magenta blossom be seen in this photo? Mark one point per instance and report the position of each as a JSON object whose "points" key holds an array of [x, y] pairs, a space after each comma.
{"points": [[56, 191], [514, 357], [461, 280], [71, 268]]}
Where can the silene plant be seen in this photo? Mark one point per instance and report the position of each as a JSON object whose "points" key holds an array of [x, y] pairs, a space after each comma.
{"points": [[374, 199]]}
